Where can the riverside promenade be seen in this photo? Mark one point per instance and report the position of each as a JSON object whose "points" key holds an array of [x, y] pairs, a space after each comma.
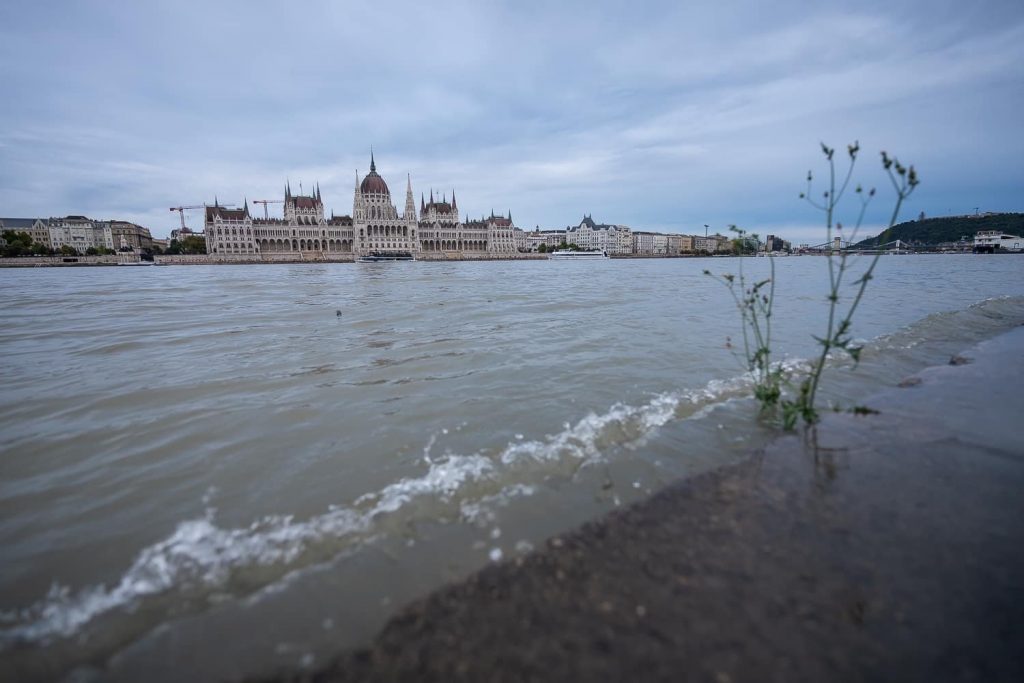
{"points": [[890, 549]]}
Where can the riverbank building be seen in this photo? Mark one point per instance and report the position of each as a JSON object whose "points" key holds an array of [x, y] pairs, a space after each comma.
{"points": [[375, 226]]}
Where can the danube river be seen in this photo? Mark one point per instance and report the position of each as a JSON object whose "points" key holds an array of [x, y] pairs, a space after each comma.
{"points": [[218, 471]]}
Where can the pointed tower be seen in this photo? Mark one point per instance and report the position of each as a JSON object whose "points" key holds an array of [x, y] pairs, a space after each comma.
{"points": [[455, 207], [423, 206], [410, 203], [356, 199]]}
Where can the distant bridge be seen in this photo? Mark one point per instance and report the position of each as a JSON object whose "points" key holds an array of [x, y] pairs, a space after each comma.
{"points": [[840, 246]]}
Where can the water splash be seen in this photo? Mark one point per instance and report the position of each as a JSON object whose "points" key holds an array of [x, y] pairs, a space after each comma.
{"points": [[200, 555]]}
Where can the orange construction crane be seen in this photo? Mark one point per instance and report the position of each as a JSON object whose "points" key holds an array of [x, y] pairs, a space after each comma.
{"points": [[182, 209], [264, 202]]}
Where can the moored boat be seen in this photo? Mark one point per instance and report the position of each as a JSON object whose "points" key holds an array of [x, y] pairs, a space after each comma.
{"points": [[380, 256], [570, 255], [995, 241]]}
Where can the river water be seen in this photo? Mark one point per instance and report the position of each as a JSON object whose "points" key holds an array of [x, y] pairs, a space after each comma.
{"points": [[218, 471]]}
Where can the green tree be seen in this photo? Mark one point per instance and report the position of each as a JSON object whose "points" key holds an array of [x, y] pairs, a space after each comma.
{"points": [[68, 250], [193, 244], [744, 245], [19, 243]]}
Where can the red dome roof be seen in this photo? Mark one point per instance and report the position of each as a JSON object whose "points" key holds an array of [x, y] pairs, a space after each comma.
{"points": [[374, 183]]}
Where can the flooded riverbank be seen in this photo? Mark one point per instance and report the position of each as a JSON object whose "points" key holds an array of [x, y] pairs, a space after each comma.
{"points": [[202, 450]]}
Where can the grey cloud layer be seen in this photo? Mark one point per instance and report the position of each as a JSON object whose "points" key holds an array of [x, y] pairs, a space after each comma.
{"points": [[651, 114]]}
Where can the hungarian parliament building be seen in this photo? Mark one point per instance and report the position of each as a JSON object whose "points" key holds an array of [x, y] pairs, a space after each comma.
{"points": [[375, 226]]}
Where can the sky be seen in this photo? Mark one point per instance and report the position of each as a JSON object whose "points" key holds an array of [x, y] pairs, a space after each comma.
{"points": [[664, 116]]}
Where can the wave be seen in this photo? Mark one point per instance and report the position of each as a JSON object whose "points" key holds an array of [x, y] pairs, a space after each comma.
{"points": [[200, 556]]}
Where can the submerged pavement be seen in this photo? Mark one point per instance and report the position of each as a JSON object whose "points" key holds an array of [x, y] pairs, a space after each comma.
{"points": [[885, 547]]}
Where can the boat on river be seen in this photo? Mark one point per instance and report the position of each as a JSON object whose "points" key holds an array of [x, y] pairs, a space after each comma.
{"points": [[380, 256], [570, 255], [997, 241]]}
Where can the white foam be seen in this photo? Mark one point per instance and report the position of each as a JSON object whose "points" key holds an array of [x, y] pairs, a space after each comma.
{"points": [[200, 554]]}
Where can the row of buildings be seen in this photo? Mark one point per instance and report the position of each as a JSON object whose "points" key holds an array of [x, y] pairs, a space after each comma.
{"points": [[81, 233], [374, 226], [432, 230], [621, 240]]}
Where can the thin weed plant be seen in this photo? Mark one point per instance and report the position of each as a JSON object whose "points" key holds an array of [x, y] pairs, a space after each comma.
{"points": [[755, 300]]}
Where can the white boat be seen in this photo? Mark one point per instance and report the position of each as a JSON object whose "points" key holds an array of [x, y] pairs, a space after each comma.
{"points": [[994, 241], [569, 255], [379, 256]]}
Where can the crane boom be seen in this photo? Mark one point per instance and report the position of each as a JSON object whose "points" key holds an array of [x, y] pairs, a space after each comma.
{"points": [[182, 209], [264, 202]]}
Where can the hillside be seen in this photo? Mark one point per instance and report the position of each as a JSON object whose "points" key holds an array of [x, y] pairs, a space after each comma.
{"points": [[948, 229]]}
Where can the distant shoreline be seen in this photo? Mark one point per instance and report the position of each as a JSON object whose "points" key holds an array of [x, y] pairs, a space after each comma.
{"points": [[203, 260]]}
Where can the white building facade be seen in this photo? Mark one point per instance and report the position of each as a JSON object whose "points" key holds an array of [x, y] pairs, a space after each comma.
{"points": [[229, 231], [80, 233], [611, 239], [375, 226], [643, 243]]}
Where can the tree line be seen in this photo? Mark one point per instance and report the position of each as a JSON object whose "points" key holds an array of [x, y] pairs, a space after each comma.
{"points": [[20, 243]]}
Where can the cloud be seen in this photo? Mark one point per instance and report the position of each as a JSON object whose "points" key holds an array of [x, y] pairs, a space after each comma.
{"points": [[668, 118]]}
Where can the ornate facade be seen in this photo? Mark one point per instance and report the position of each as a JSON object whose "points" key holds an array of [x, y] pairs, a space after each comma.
{"points": [[611, 239], [80, 233], [376, 226], [303, 230]]}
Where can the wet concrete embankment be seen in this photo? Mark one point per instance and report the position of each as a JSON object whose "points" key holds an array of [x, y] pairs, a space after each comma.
{"points": [[888, 547]]}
